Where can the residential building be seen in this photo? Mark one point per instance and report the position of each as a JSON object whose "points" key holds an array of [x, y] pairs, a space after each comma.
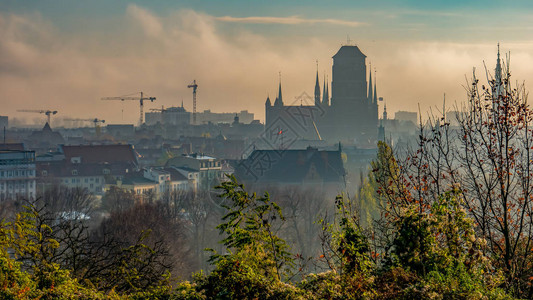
{"points": [[17, 174], [209, 168]]}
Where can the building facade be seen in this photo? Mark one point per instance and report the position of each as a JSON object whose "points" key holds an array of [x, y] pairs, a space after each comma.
{"points": [[17, 174]]}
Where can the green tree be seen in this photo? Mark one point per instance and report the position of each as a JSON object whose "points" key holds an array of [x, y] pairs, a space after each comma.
{"points": [[257, 260]]}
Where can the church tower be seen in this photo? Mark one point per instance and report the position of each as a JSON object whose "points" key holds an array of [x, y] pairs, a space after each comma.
{"points": [[352, 114], [348, 86]]}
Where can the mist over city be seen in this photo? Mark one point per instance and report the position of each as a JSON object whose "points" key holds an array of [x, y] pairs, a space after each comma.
{"points": [[269, 150]]}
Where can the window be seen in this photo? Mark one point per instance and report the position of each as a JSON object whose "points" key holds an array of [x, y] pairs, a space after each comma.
{"points": [[106, 171], [86, 180], [74, 172], [44, 173]]}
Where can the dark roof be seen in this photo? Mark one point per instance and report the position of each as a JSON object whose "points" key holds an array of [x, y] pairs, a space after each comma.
{"points": [[65, 169], [137, 179], [101, 153], [175, 175], [291, 166], [12, 146], [187, 169], [349, 51]]}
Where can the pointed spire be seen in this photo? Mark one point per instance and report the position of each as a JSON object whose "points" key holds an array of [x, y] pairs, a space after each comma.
{"points": [[181, 103], [498, 76], [268, 103], [324, 97], [327, 91], [385, 111], [498, 70], [370, 95], [317, 87], [375, 100], [279, 99]]}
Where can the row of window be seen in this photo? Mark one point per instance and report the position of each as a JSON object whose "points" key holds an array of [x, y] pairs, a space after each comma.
{"points": [[209, 164], [17, 173], [16, 194], [17, 184], [85, 180]]}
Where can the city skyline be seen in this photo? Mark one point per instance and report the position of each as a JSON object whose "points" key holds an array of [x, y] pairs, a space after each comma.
{"points": [[66, 56]]}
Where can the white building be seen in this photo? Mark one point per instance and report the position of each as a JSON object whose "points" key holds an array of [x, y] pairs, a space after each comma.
{"points": [[17, 174], [167, 179]]}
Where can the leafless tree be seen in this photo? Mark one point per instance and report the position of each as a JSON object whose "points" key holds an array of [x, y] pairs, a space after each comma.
{"points": [[490, 157]]}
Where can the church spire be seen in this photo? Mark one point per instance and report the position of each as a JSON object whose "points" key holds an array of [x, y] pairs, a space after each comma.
{"points": [[325, 95], [279, 99], [370, 95], [268, 103], [317, 87], [375, 101], [498, 88], [498, 71]]}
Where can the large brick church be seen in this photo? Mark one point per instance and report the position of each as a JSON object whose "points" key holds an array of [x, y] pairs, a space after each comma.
{"points": [[350, 115]]}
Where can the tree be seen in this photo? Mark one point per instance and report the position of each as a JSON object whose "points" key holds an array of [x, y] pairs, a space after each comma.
{"points": [[257, 260], [137, 249], [489, 156]]}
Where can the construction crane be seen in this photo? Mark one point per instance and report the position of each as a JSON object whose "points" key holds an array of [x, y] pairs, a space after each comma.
{"points": [[194, 87], [48, 113], [96, 122], [140, 99]]}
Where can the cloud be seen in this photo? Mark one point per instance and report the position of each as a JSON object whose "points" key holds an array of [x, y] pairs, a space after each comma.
{"points": [[293, 20], [43, 66], [149, 22]]}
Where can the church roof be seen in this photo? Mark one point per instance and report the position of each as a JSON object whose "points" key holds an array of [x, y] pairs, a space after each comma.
{"points": [[349, 51]]}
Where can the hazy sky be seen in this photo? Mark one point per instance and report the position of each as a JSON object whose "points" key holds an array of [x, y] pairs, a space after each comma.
{"points": [[66, 55]]}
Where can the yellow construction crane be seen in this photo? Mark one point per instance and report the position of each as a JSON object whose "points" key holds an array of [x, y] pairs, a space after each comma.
{"points": [[140, 99], [48, 113], [96, 122]]}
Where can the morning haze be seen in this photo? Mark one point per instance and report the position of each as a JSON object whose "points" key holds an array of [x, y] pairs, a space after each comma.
{"points": [[68, 60], [266, 150]]}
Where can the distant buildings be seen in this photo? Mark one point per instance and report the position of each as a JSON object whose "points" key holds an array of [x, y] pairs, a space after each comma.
{"points": [[209, 169], [4, 122], [169, 116], [17, 174], [409, 116], [309, 167], [350, 115], [87, 166], [121, 130], [210, 117], [44, 140], [179, 116]]}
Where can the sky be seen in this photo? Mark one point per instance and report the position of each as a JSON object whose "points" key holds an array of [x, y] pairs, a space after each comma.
{"points": [[67, 55]]}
